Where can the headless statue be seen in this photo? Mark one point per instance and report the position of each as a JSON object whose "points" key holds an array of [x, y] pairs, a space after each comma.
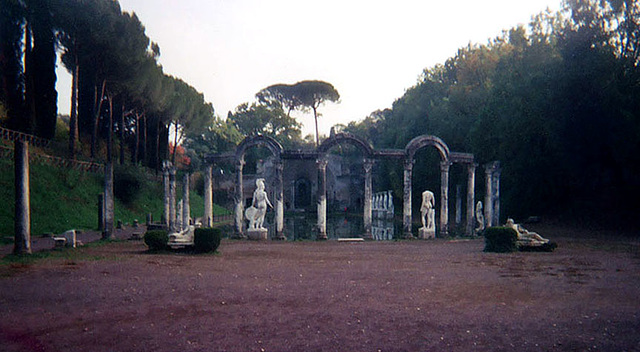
{"points": [[428, 212]]}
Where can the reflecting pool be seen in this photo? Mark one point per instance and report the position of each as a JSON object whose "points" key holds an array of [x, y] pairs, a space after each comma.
{"points": [[301, 226]]}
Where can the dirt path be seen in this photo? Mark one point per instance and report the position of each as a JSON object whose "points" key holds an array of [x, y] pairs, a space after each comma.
{"points": [[309, 296]]}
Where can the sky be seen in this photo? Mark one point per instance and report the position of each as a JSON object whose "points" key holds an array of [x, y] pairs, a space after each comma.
{"points": [[370, 50]]}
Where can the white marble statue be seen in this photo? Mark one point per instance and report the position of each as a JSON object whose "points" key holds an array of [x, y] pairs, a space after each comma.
{"points": [[479, 217], [258, 209], [525, 237], [428, 211]]}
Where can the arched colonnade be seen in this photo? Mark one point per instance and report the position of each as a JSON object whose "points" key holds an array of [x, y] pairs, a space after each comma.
{"points": [[407, 155]]}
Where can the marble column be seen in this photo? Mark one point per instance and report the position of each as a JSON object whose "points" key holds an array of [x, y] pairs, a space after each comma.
{"points": [[239, 201], [167, 193], [444, 197], [207, 219], [108, 231], [22, 210], [279, 166], [172, 199], [458, 205], [406, 209], [186, 205], [471, 185], [496, 195], [368, 195], [488, 197], [322, 199]]}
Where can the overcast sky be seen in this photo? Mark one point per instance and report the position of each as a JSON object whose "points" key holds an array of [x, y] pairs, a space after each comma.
{"points": [[371, 51]]}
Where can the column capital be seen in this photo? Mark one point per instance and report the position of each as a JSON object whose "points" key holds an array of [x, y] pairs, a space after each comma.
{"points": [[445, 165], [322, 163], [408, 164], [367, 164]]}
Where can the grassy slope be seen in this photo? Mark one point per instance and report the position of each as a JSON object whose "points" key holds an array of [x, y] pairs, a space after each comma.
{"points": [[63, 199]]}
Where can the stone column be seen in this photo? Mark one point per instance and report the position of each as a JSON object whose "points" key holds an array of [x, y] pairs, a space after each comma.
{"points": [[279, 201], [496, 194], [322, 199], [166, 166], [471, 185], [22, 221], [406, 209], [239, 200], [368, 194], [488, 197], [444, 197], [207, 218], [172, 198], [458, 205], [108, 232], [186, 206]]}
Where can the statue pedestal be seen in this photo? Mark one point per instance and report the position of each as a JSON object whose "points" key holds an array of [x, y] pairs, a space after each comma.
{"points": [[425, 234], [257, 234]]}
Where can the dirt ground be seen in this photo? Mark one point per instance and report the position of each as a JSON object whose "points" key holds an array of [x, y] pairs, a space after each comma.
{"points": [[327, 296]]}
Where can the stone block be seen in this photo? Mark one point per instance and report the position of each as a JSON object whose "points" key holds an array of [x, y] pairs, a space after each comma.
{"points": [[425, 234], [257, 234], [70, 237]]}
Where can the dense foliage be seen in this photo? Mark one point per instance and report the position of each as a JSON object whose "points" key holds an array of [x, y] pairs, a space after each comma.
{"points": [[206, 240], [500, 240], [119, 90], [558, 103], [157, 240]]}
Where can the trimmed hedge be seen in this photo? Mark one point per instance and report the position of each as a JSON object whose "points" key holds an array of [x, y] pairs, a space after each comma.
{"points": [[500, 239], [206, 239], [157, 240]]}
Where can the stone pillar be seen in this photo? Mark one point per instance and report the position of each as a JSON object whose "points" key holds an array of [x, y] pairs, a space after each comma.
{"points": [[322, 199], [406, 209], [186, 205], [444, 197], [368, 194], [471, 185], [207, 218], [108, 232], [22, 221], [239, 201], [488, 197], [166, 167], [458, 205], [172, 198], [279, 166], [496, 194]]}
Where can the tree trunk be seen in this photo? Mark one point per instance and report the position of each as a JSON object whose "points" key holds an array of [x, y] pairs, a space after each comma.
{"points": [[315, 116], [110, 131], [96, 120], [122, 135], [136, 146], [73, 119]]}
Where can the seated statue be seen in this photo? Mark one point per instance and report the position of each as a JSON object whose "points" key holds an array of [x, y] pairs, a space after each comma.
{"points": [[258, 209], [525, 237]]}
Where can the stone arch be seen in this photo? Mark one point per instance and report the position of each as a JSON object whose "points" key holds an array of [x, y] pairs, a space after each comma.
{"points": [[341, 137], [426, 140], [258, 140], [276, 149]]}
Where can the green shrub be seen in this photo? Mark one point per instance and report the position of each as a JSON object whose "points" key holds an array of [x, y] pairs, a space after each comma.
{"points": [[500, 239], [207, 239], [157, 240]]}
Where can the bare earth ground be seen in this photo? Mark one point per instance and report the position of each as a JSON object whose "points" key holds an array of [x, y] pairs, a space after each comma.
{"points": [[309, 296]]}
